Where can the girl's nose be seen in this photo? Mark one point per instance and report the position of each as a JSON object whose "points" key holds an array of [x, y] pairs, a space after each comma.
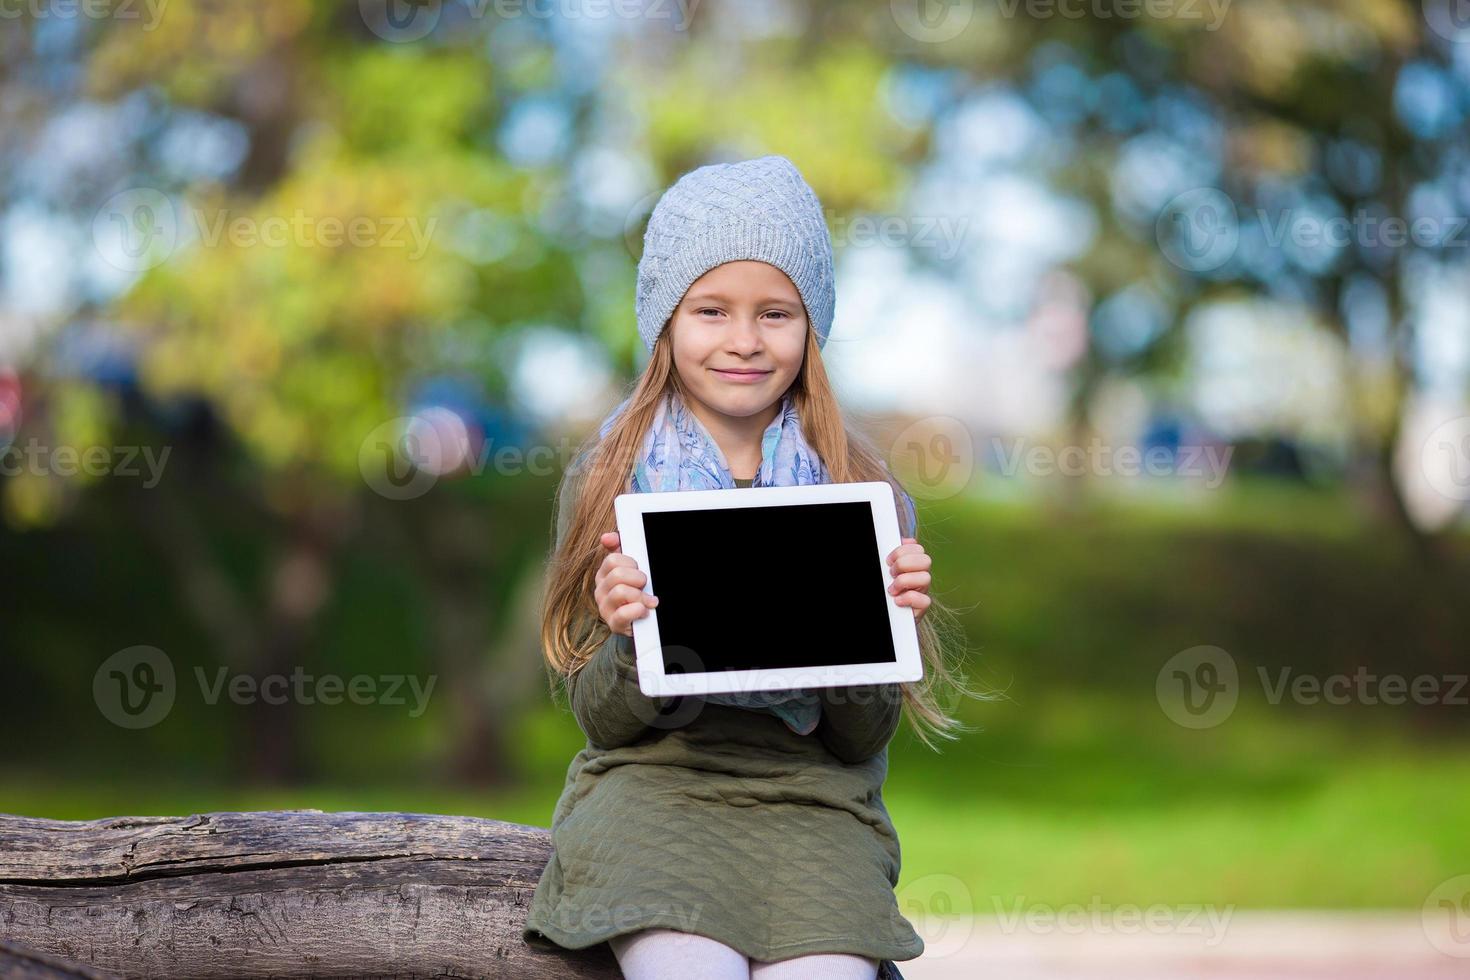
{"points": [[745, 334]]}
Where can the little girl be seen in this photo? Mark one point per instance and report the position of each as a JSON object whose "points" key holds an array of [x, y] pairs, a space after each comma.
{"points": [[735, 835]]}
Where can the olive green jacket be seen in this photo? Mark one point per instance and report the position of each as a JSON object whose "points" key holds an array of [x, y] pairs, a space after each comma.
{"points": [[720, 820]]}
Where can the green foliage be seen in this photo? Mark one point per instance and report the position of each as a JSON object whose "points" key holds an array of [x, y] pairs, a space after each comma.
{"points": [[823, 107]]}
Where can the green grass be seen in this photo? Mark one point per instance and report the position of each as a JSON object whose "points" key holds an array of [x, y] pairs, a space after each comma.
{"points": [[1068, 798], [1116, 804]]}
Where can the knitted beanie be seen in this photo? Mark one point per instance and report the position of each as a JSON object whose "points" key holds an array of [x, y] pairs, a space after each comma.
{"points": [[759, 209]]}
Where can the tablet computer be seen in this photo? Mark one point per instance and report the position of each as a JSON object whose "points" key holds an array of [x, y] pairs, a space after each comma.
{"points": [[768, 588]]}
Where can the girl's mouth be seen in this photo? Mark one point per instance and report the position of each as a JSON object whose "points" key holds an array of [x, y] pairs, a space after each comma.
{"points": [[742, 377]]}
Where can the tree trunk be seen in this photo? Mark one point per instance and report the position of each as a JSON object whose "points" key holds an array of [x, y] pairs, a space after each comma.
{"points": [[19, 962], [292, 893]]}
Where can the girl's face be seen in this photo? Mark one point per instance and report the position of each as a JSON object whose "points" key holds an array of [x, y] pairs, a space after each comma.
{"points": [[739, 335]]}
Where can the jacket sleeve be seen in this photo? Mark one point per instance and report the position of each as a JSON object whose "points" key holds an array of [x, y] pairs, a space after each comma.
{"points": [[605, 698], [610, 708], [859, 720]]}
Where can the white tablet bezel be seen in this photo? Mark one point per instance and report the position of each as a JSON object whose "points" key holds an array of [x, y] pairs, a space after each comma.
{"points": [[907, 666]]}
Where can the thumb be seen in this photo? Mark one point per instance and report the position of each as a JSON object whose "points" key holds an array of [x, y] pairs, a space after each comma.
{"points": [[610, 540]]}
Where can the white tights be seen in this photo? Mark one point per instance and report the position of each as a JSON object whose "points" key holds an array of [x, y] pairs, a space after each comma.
{"points": [[667, 954]]}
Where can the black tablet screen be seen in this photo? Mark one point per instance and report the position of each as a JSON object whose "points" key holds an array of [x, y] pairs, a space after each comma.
{"points": [[745, 588]]}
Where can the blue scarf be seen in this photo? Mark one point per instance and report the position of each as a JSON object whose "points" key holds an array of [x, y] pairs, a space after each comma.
{"points": [[678, 453]]}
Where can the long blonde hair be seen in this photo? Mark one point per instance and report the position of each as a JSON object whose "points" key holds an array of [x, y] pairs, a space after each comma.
{"points": [[571, 627]]}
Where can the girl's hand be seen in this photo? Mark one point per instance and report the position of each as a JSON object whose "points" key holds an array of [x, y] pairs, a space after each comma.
{"points": [[909, 566], [619, 590]]}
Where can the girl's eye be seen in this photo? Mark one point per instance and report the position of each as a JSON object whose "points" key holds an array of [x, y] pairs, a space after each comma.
{"points": [[714, 312]]}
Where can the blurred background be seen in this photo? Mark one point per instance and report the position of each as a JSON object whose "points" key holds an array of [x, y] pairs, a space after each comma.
{"points": [[1160, 309]]}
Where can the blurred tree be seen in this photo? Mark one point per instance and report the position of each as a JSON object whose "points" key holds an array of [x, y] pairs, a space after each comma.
{"points": [[303, 292], [307, 338]]}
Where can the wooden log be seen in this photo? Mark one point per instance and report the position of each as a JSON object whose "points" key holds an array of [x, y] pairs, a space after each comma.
{"points": [[290, 893], [19, 962]]}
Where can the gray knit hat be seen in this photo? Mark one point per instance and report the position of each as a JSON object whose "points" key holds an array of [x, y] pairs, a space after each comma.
{"points": [[758, 209]]}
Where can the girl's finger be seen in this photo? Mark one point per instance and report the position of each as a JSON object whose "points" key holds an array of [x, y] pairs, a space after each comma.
{"points": [[613, 562], [912, 548], [625, 615], [630, 595], [918, 601], [912, 562], [611, 541], [910, 581], [626, 575]]}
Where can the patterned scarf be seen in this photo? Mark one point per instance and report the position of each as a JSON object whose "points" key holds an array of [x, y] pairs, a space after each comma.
{"points": [[678, 453]]}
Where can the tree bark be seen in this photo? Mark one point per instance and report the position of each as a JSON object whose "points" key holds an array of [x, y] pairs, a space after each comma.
{"points": [[295, 893], [19, 962]]}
